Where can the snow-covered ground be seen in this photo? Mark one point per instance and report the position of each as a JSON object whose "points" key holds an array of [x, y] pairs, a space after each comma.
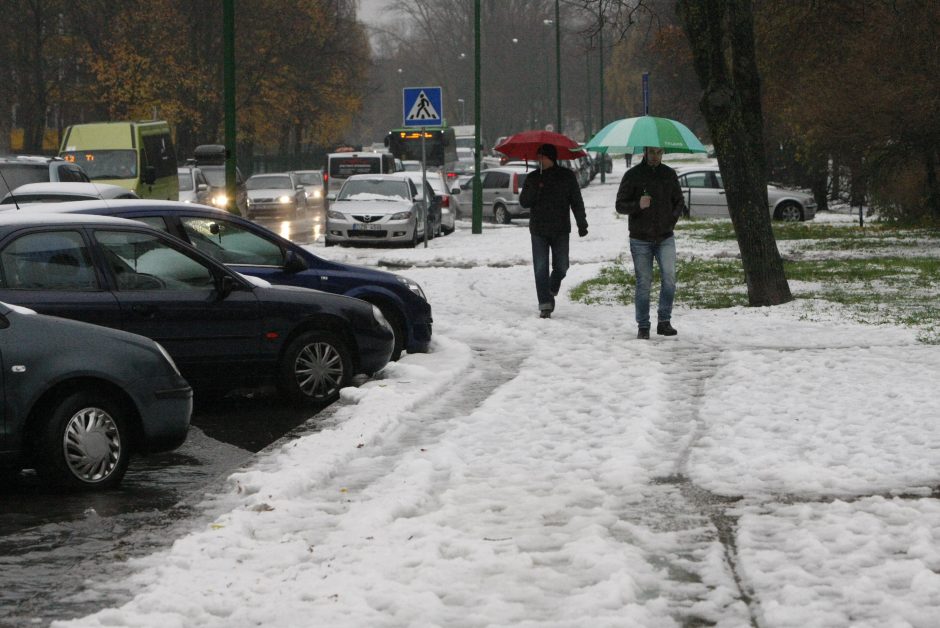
{"points": [[756, 470]]}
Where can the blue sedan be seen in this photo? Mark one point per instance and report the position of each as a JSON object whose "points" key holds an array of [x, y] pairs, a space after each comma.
{"points": [[251, 249], [224, 330]]}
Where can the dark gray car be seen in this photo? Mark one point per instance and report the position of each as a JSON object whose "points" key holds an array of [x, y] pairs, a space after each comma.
{"points": [[79, 399]]}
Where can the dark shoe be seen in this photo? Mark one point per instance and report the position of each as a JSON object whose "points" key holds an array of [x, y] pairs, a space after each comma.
{"points": [[545, 314], [665, 329], [554, 291], [643, 333]]}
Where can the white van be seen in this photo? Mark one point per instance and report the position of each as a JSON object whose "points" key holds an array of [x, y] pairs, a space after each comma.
{"points": [[341, 166]]}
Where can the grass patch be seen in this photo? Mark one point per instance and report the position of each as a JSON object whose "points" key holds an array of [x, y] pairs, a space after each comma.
{"points": [[874, 287]]}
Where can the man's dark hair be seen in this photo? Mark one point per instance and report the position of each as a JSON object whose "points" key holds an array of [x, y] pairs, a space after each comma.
{"points": [[548, 150]]}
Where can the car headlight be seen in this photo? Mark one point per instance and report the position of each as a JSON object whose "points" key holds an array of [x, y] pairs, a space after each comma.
{"points": [[412, 285], [401, 216], [379, 317], [284, 199], [317, 194], [167, 356], [220, 200], [335, 215]]}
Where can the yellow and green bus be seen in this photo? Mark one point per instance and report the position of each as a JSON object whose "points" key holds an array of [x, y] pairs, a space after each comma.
{"points": [[135, 155]]}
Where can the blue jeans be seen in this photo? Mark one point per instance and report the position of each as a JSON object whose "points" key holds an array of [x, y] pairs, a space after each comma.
{"points": [[643, 253], [547, 284]]}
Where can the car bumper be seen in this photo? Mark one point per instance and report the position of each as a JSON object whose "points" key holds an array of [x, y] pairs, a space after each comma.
{"points": [[271, 209], [419, 329], [165, 415], [809, 212], [385, 231], [516, 210], [375, 349]]}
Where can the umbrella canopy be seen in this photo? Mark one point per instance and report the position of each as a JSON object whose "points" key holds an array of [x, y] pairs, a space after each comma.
{"points": [[630, 135], [523, 145]]}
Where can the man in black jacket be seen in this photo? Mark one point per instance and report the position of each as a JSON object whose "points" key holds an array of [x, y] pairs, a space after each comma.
{"points": [[650, 195], [548, 194]]}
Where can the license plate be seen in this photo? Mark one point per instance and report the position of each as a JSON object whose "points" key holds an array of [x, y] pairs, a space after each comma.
{"points": [[368, 227]]}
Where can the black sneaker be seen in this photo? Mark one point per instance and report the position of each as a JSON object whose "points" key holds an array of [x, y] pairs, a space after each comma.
{"points": [[643, 333], [545, 314], [665, 329]]}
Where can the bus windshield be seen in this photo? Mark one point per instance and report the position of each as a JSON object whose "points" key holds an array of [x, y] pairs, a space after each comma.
{"points": [[105, 164]]}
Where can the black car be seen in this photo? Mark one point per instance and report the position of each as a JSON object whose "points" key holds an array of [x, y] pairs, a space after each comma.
{"points": [[78, 399], [223, 329], [254, 250]]}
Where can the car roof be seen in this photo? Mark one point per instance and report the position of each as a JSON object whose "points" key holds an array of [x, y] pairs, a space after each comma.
{"points": [[21, 218], [394, 176], [117, 203], [70, 187]]}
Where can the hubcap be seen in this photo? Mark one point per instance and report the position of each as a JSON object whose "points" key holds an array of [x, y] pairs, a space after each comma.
{"points": [[92, 444], [319, 370], [790, 212]]}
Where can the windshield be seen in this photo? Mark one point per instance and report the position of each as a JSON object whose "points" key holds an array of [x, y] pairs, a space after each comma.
{"points": [[105, 164], [186, 181], [374, 190], [269, 183], [348, 166], [309, 178]]}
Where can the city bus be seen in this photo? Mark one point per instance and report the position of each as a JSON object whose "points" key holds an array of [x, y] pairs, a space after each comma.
{"points": [[440, 146], [136, 155]]}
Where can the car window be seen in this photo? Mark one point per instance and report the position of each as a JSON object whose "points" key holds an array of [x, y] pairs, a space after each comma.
{"points": [[231, 243], [498, 179], [143, 261], [157, 222], [268, 182], [48, 260], [72, 174], [718, 182], [310, 178], [695, 180]]}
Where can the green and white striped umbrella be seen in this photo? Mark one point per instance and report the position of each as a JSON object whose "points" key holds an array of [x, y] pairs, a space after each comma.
{"points": [[630, 135]]}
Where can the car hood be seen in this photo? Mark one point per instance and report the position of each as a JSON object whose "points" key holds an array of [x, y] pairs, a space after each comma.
{"points": [[270, 193], [371, 207]]}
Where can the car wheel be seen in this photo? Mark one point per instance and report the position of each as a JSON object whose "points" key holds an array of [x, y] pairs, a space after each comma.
{"points": [[414, 237], [314, 367], [501, 215], [328, 242], [789, 212], [85, 445]]}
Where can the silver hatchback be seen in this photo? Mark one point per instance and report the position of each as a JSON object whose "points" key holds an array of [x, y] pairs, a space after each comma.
{"points": [[375, 208]]}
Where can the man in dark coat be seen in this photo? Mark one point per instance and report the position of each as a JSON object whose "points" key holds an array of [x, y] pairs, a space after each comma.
{"points": [[650, 195], [549, 193]]}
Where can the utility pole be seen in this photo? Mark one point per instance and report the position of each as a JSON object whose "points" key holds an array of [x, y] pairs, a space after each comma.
{"points": [[557, 69], [228, 91], [600, 48], [477, 221]]}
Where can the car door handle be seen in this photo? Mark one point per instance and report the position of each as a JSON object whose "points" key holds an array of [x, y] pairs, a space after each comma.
{"points": [[144, 311]]}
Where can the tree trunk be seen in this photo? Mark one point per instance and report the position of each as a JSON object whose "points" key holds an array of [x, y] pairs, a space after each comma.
{"points": [[933, 187], [731, 106]]}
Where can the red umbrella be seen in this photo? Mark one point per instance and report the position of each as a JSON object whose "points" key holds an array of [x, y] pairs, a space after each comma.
{"points": [[523, 145]]}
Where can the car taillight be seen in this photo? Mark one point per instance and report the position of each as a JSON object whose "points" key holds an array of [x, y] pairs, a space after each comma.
{"points": [[326, 178], [445, 201], [451, 175], [515, 184]]}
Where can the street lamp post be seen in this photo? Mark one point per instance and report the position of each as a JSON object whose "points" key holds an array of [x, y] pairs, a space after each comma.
{"points": [[463, 116], [600, 48], [557, 68]]}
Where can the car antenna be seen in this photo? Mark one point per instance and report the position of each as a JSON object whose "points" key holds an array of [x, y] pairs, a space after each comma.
{"points": [[12, 195]]}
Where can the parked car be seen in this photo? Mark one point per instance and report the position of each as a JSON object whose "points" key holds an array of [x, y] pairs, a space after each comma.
{"points": [[223, 329], [277, 194], [61, 192], [501, 188], [375, 208], [252, 249], [314, 187], [445, 204], [194, 187], [411, 165], [78, 400], [705, 196], [22, 169]]}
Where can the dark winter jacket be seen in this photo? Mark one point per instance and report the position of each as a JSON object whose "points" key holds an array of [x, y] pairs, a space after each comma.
{"points": [[656, 222], [548, 194]]}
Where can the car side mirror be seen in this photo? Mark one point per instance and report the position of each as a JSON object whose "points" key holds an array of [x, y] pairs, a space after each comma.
{"points": [[294, 263], [299, 187], [225, 285], [455, 191], [214, 228], [150, 175], [202, 187], [331, 196]]}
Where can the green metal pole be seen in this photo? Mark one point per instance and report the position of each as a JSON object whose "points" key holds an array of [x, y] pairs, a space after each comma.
{"points": [[600, 35], [228, 89], [557, 69], [477, 222]]}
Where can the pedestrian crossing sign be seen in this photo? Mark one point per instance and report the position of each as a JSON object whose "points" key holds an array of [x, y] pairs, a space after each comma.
{"points": [[422, 106]]}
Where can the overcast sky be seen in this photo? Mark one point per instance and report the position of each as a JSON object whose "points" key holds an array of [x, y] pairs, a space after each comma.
{"points": [[372, 11]]}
